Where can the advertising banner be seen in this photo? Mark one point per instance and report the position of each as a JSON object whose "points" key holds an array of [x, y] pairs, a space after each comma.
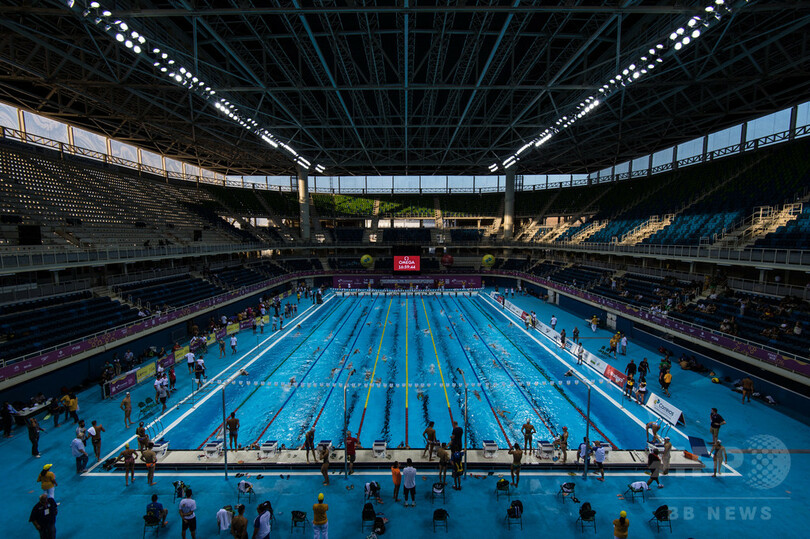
{"points": [[665, 410], [406, 263], [232, 328], [122, 383], [181, 352], [145, 372], [212, 338], [246, 324], [167, 361], [615, 376]]}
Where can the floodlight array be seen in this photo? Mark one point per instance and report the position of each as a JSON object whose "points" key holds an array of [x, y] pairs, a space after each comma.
{"points": [[172, 70], [642, 67]]}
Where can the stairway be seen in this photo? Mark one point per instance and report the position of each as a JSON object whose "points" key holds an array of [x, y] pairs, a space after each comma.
{"points": [[495, 229], [763, 221], [438, 209], [275, 221], [527, 232], [588, 231], [646, 229]]}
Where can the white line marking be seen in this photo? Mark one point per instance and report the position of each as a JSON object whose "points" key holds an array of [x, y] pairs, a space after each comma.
{"points": [[598, 389], [211, 381]]}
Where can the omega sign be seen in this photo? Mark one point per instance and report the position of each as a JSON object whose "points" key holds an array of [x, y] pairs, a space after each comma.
{"points": [[406, 263]]}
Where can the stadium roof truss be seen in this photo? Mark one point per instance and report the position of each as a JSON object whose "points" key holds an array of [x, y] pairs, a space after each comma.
{"points": [[411, 88]]}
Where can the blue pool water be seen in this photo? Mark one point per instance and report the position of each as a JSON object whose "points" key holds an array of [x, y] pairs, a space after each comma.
{"points": [[405, 353]]}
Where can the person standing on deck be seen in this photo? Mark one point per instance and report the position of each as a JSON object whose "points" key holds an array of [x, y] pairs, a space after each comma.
{"points": [[528, 430], [126, 406]]}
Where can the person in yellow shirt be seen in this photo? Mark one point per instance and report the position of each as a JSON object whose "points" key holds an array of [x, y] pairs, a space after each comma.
{"points": [[73, 407], [47, 480], [620, 526], [319, 524]]}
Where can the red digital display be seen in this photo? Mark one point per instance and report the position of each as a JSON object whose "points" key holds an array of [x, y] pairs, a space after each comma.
{"points": [[406, 263]]}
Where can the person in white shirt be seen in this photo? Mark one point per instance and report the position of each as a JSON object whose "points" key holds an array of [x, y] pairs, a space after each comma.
{"points": [[262, 524], [599, 459], [224, 518], [409, 482], [624, 345], [233, 344], [190, 362], [187, 513], [553, 321]]}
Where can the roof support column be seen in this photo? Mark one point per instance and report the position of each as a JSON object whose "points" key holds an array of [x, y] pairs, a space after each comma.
{"points": [[303, 202], [509, 205]]}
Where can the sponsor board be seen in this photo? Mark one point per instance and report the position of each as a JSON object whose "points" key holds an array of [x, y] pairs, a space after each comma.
{"points": [[232, 328], [614, 375], [145, 372], [664, 409], [181, 352], [121, 383]]}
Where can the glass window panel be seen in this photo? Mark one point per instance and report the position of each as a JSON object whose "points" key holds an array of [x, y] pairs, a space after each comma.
{"points": [[725, 138], [462, 182], [124, 151], [623, 167], [690, 149], [356, 184], [150, 159], [45, 127], [434, 182], [407, 184], [90, 141], [768, 125], [663, 157], [642, 163], [173, 165], [193, 170], [803, 115], [8, 116]]}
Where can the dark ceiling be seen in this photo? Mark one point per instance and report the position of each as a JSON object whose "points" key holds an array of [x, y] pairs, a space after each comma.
{"points": [[366, 88]]}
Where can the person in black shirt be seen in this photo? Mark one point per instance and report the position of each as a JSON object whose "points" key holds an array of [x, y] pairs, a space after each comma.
{"points": [[43, 517], [643, 369], [455, 438], [717, 421], [631, 368]]}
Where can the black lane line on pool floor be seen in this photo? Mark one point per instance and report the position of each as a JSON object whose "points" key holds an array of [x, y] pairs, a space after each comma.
{"points": [[475, 373], [299, 345], [348, 357], [541, 413], [300, 382]]}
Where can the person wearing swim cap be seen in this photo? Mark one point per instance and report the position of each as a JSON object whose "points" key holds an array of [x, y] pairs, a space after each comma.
{"points": [[320, 526], [620, 526]]}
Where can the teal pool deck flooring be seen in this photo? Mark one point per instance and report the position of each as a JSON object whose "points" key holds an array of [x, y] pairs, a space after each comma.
{"points": [[763, 500]]}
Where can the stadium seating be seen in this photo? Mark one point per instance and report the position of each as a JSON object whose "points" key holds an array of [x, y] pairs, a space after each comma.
{"points": [[461, 206], [59, 320], [343, 205], [643, 290], [406, 235], [578, 276], [466, 234], [765, 320], [406, 206], [353, 235], [236, 277], [174, 291]]}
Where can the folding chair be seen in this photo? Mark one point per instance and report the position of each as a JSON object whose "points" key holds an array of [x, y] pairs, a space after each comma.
{"points": [[514, 514], [661, 518], [367, 517], [567, 489], [440, 519], [587, 517], [179, 490], [151, 522], [437, 492], [298, 520], [635, 493], [502, 489], [245, 489]]}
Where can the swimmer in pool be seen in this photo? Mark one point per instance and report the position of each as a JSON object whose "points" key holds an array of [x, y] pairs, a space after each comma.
{"points": [[432, 369], [477, 394], [243, 372]]}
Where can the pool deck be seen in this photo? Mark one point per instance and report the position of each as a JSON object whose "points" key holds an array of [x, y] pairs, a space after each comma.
{"points": [[296, 460]]}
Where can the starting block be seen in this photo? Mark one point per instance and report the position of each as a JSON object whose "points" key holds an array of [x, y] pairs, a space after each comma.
{"points": [[655, 445], [490, 449], [213, 449], [545, 450], [379, 448], [325, 444], [268, 448], [161, 448]]}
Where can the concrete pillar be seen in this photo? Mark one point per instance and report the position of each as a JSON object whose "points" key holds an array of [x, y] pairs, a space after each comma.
{"points": [[303, 202], [509, 205]]}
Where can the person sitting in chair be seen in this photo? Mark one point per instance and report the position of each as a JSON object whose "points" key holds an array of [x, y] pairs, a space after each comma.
{"points": [[246, 487], [373, 490], [156, 512], [586, 512]]}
